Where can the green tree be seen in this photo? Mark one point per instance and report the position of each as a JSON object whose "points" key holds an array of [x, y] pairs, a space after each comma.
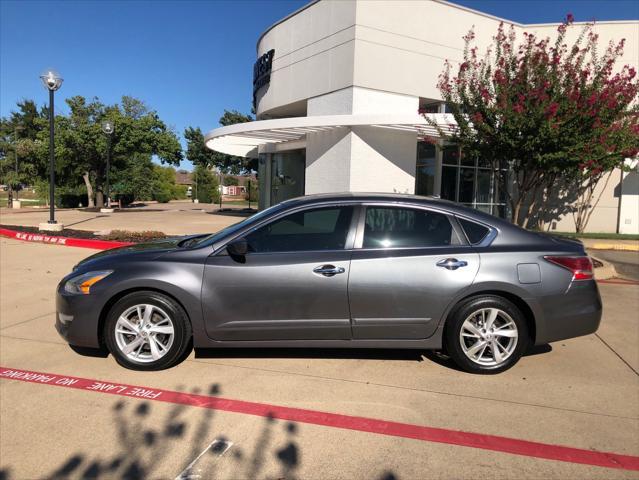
{"points": [[198, 153], [81, 145], [19, 162], [205, 185], [557, 117], [230, 180]]}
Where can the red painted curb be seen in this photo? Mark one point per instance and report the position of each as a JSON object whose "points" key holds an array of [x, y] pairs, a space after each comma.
{"points": [[618, 281], [335, 420], [59, 240]]}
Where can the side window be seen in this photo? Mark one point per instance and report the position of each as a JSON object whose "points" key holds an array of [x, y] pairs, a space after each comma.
{"points": [[391, 227], [317, 229], [474, 231]]}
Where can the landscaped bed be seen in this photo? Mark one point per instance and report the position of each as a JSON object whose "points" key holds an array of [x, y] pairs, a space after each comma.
{"points": [[114, 235]]}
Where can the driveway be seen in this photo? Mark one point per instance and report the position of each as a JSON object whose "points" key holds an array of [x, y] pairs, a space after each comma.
{"points": [[580, 393], [174, 218]]}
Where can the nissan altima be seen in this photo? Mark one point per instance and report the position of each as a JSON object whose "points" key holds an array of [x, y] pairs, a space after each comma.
{"points": [[337, 271]]}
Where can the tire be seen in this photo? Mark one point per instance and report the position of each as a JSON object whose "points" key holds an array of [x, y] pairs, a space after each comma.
{"points": [[476, 349], [148, 331]]}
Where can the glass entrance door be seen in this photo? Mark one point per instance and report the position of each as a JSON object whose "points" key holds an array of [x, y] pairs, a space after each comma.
{"points": [[287, 175]]}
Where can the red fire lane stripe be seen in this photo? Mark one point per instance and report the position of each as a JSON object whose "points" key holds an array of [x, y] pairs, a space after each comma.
{"points": [[59, 240], [619, 281], [348, 422]]}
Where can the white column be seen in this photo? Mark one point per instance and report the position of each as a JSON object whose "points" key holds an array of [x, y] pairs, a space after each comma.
{"points": [[361, 159]]}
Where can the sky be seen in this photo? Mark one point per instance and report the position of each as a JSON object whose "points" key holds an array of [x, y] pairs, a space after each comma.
{"points": [[187, 59]]}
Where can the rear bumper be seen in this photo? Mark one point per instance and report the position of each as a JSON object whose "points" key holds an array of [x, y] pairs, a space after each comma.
{"points": [[77, 318], [572, 314]]}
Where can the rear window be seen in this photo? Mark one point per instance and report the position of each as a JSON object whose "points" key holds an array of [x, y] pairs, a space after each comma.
{"points": [[474, 231]]}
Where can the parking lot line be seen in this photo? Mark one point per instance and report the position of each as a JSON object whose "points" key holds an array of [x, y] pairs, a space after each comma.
{"points": [[348, 422]]}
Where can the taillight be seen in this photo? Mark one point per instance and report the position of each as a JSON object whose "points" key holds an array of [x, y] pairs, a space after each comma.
{"points": [[581, 267]]}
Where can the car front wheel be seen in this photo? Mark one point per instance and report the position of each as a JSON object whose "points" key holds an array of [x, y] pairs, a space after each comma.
{"points": [[147, 331], [486, 334]]}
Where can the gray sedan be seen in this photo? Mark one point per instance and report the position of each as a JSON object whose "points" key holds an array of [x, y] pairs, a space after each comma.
{"points": [[338, 271]]}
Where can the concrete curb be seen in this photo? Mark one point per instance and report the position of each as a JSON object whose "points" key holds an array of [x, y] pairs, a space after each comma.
{"points": [[60, 240], [606, 271], [614, 246]]}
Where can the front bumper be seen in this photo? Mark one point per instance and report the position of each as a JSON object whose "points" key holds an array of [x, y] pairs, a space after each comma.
{"points": [[77, 318], [575, 313]]}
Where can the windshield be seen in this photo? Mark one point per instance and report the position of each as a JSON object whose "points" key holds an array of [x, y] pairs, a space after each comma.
{"points": [[214, 237]]}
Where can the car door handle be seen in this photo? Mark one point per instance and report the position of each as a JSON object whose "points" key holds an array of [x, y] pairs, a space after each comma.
{"points": [[328, 270], [451, 263]]}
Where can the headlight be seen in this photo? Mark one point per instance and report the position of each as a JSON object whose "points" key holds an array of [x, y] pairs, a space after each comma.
{"points": [[83, 283]]}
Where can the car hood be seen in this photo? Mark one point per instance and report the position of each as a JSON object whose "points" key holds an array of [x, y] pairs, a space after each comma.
{"points": [[139, 251]]}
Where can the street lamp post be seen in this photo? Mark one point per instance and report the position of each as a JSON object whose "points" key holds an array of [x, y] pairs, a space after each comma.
{"points": [[52, 81], [16, 129], [108, 127]]}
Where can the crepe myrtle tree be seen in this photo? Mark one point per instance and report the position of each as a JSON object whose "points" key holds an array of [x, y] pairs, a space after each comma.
{"points": [[556, 117]]}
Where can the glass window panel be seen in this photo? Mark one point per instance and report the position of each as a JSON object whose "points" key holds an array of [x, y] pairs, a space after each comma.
{"points": [[483, 186], [474, 231], [430, 108], [449, 183], [467, 159], [426, 152], [319, 229], [425, 180], [450, 155], [484, 162], [500, 211], [425, 172], [389, 227], [466, 185]]}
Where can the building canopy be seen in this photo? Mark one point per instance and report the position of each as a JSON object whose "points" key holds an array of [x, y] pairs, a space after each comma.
{"points": [[244, 139]]}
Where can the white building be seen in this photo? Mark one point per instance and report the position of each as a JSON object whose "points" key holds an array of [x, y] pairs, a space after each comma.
{"points": [[338, 86]]}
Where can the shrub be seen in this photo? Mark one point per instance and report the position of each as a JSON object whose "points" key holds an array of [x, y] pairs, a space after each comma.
{"points": [[252, 192], [206, 185], [163, 194], [127, 236]]}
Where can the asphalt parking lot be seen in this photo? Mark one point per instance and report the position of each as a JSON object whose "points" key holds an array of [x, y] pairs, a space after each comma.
{"points": [[581, 393]]}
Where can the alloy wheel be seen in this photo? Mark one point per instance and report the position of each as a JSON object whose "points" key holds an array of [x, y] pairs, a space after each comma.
{"points": [[144, 333], [488, 336]]}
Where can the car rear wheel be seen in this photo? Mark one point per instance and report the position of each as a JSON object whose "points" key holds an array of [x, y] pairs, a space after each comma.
{"points": [[147, 331], [486, 334]]}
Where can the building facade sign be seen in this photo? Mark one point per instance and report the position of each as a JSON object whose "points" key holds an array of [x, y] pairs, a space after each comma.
{"points": [[262, 72]]}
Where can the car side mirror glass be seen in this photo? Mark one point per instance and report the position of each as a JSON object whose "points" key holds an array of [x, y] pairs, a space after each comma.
{"points": [[238, 248]]}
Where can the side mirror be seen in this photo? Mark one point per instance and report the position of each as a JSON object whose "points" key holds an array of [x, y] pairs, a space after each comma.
{"points": [[237, 248]]}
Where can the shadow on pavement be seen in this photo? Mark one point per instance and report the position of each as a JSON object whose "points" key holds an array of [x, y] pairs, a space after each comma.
{"points": [[440, 358], [318, 353], [145, 439]]}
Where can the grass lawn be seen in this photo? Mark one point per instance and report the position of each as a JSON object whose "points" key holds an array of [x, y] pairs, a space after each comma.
{"points": [[602, 236], [28, 198]]}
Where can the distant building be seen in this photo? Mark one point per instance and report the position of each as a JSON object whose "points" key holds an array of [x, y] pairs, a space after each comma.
{"points": [[337, 90], [182, 177]]}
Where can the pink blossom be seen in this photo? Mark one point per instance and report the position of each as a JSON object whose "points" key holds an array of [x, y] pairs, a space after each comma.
{"points": [[477, 117]]}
